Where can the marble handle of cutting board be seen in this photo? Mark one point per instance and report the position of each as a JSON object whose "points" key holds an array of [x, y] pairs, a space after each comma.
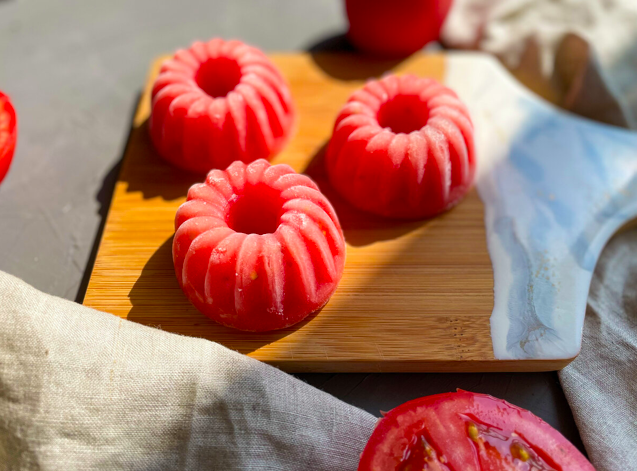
{"points": [[555, 188]]}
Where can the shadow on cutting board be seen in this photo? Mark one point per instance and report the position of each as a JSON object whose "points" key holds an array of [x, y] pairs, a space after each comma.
{"points": [[146, 172], [156, 297], [335, 56], [158, 301], [360, 228]]}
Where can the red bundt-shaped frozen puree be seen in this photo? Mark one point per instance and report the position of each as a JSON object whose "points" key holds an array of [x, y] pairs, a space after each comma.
{"points": [[218, 102], [257, 247], [402, 147]]}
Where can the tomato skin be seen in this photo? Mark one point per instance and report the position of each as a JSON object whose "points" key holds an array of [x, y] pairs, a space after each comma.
{"points": [[447, 421], [8, 134], [395, 29]]}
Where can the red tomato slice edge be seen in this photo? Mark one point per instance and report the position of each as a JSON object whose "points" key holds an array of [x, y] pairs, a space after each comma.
{"points": [[466, 431]]}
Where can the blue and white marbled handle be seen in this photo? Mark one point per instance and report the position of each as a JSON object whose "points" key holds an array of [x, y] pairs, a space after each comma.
{"points": [[555, 189]]}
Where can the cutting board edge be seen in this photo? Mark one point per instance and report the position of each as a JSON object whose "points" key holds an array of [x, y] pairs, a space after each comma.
{"points": [[406, 366]]}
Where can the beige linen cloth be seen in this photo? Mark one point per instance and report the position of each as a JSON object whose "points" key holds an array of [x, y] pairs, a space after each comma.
{"points": [[80, 389], [582, 56], [83, 390]]}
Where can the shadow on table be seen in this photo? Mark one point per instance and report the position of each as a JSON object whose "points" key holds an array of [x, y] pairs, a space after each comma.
{"points": [[103, 197], [158, 301]]}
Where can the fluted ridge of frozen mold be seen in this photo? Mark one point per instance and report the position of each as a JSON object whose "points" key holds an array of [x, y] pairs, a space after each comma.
{"points": [[257, 247], [218, 102], [402, 147]]}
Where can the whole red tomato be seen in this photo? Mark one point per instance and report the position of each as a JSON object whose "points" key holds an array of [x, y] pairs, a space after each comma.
{"points": [[395, 28], [465, 431], [8, 134]]}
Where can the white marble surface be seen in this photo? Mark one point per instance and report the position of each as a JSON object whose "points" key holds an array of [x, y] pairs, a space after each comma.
{"points": [[555, 187]]}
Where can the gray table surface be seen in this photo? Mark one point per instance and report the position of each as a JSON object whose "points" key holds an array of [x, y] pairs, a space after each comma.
{"points": [[74, 69]]}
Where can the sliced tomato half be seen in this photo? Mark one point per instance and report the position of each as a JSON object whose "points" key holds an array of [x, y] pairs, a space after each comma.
{"points": [[464, 431], [8, 134]]}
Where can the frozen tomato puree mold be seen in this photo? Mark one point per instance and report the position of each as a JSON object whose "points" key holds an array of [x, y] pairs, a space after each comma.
{"points": [[257, 247], [218, 102], [402, 147]]}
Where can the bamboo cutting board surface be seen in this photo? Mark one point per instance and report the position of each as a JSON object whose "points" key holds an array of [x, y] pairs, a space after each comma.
{"points": [[415, 296]]}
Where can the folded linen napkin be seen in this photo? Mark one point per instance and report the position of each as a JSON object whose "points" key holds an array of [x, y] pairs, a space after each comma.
{"points": [[82, 389], [579, 54], [601, 384]]}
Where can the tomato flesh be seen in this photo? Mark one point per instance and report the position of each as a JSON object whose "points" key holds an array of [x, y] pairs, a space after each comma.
{"points": [[8, 134], [465, 431], [504, 446], [422, 455]]}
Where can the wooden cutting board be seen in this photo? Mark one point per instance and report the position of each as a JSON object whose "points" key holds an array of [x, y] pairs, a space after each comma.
{"points": [[415, 296]]}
